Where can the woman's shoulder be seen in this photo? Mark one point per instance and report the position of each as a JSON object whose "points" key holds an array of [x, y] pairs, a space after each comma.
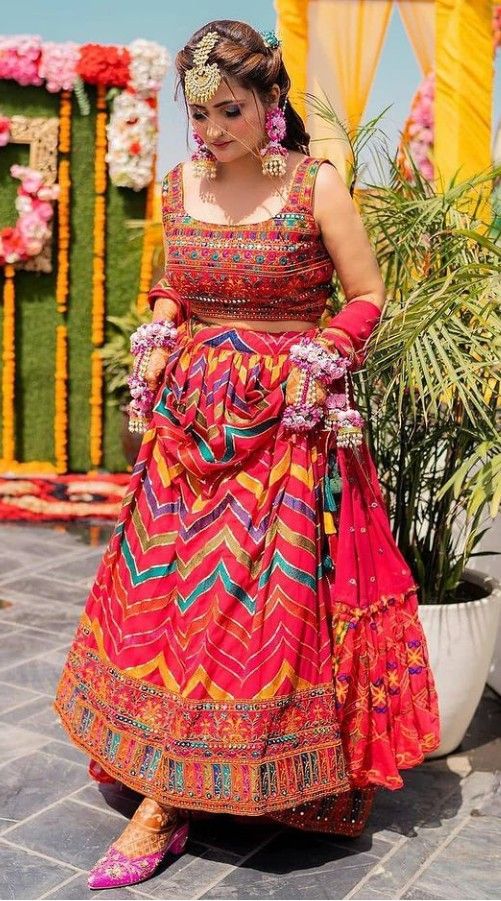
{"points": [[172, 191], [173, 171], [326, 175], [317, 163]]}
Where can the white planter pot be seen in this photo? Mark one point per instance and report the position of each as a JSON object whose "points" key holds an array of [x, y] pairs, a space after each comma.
{"points": [[460, 640], [494, 674]]}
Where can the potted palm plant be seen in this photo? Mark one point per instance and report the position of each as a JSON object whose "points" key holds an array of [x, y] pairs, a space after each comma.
{"points": [[431, 400]]}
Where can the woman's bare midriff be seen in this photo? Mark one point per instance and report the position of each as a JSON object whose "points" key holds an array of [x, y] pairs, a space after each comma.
{"points": [[263, 325]]}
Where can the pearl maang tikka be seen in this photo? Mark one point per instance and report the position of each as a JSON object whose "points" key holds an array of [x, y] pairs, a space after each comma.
{"points": [[202, 80]]}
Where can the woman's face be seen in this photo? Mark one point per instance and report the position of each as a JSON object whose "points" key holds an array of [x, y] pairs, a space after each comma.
{"points": [[231, 123]]}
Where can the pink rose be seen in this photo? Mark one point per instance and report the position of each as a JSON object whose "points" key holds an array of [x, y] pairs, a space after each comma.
{"points": [[44, 210], [4, 131], [48, 192], [29, 224]]}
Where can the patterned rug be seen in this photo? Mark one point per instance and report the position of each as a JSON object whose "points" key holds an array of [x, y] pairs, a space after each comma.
{"points": [[67, 497]]}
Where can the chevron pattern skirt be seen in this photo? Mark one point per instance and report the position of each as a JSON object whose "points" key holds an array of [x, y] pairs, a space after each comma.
{"points": [[251, 641]]}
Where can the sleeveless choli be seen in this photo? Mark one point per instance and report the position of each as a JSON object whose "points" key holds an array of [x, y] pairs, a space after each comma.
{"points": [[236, 653], [275, 269]]}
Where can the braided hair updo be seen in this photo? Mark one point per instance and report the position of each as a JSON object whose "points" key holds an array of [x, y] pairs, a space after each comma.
{"points": [[241, 53]]}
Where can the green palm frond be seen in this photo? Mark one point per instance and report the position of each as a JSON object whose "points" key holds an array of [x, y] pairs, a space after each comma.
{"points": [[431, 387], [116, 355]]}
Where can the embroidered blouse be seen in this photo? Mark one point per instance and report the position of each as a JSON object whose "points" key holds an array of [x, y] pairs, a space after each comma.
{"points": [[275, 269]]}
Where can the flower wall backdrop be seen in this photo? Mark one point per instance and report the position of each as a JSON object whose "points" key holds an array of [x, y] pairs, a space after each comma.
{"points": [[67, 257]]}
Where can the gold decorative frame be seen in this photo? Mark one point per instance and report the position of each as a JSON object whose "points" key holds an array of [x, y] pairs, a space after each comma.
{"points": [[42, 136]]}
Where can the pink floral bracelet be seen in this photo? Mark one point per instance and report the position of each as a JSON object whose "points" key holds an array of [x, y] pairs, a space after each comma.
{"points": [[319, 364], [143, 342]]}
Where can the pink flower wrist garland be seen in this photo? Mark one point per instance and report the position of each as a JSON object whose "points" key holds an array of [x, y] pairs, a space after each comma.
{"points": [[325, 366], [343, 420], [143, 342]]}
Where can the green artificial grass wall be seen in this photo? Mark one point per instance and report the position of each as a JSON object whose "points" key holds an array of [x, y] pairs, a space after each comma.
{"points": [[36, 310]]}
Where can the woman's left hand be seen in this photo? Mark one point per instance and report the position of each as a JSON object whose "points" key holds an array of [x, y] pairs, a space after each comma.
{"points": [[294, 387], [156, 365]]}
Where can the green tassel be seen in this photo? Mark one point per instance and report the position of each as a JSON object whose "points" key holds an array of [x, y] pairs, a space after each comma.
{"points": [[331, 485], [329, 499], [335, 478]]}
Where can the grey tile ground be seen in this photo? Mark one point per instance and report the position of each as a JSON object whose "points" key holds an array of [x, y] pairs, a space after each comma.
{"points": [[24, 875], [31, 782], [45, 588], [438, 837], [193, 873], [25, 609], [67, 752], [11, 563], [77, 888], [80, 570], [23, 645], [23, 713], [477, 844], [40, 674], [11, 695], [17, 741], [114, 798], [297, 865], [73, 833]]}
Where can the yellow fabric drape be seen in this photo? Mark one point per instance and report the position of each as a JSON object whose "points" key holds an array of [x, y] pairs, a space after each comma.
{"points": [[346, 38], [418, 17], [464, 68], [292, 29]]}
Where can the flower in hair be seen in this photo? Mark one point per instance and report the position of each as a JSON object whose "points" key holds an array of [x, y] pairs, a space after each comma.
{"points": [[270, 39]]}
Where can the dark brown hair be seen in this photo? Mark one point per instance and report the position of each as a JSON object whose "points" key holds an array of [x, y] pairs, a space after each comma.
{"points": [[241, 53]]}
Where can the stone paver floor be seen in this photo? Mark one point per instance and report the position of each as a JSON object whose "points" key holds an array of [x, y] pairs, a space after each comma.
{"points": [[438, 837]]}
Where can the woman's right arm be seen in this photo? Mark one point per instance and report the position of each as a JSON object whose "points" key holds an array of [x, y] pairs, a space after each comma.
{"points": [[166, 307], [163, 307]]}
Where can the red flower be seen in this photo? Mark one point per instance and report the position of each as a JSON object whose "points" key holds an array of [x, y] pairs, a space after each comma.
{"points": [[135, 148], [12, 242], [104, 65]]}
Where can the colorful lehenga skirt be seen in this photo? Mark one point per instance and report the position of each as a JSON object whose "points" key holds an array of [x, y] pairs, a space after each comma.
{"points": [[251, 643]]}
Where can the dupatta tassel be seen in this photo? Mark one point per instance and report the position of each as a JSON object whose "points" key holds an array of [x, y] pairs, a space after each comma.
{"points": [[331, 489], [331, 486]]}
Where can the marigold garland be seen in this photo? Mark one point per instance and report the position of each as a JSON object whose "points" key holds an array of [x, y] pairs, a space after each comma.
{"points": [[98, 280], [61, 400], [65, 122], [96, 409], [146, 273], [62, 286], [8, 366], [62, 282]]}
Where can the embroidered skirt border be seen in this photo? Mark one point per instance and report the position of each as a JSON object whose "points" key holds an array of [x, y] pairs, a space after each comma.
{"points": [[228, 781]]}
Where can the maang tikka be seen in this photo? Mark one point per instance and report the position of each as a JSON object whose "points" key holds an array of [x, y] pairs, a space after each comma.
{"points": [[202, 80], [200, 84]]}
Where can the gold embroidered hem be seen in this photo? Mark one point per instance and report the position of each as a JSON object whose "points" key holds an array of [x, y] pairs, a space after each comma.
{"points": [[246, 757]]}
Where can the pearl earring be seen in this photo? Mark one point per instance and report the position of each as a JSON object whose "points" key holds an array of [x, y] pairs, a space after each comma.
{"points": [[204, 161], [274, 154]]}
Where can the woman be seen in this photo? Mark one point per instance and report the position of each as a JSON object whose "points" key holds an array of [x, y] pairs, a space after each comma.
{"points": [[251, 643]]}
